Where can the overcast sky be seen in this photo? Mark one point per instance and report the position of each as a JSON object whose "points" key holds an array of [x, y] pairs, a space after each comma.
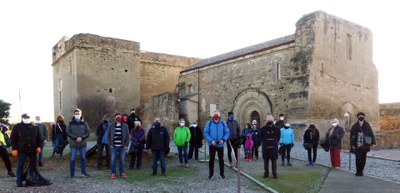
{"points": [[29, 29]]}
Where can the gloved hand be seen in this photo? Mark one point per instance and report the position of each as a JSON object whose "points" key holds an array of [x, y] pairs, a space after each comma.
{"points": [[38, 150], [14, 153]]}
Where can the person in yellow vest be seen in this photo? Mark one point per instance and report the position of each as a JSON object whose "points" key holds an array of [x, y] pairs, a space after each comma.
{"points": [[3, 150]]}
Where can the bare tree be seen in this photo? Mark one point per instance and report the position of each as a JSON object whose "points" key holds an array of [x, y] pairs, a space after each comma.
{"points": [[95, 106]]}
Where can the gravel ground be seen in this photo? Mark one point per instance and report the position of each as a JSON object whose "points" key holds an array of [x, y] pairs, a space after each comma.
{"points": [[195, 180], [386, 169]]}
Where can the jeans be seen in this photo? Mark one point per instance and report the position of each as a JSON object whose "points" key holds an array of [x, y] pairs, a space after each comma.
{"points": [[158, 155], [100, 155], [82, 154], [114, 152], [185, 154], [58, 139], [41, 153], [137, 157], [220, 152], [314, 153], [21, 161]]}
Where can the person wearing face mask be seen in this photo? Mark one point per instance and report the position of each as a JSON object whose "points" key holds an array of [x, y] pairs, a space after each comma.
{"points": [[138, 139], [281, 122], [158, 141], [287, 142], [3, 149], [118, 140], [311, 136], [181, 139], [132, 118], [102, 143], [270, 135], [58, 136], [358, 134], [234, 138], [44, 135], [335, 136], [255, 132], [26, 143], [216, 133], [78, 132], [196, 138]]}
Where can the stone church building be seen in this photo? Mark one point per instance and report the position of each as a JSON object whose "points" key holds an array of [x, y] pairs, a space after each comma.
{"points": [[322, 71]]}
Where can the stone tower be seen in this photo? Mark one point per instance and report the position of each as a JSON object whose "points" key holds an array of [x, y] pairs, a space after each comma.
{"points": [[86, 65]]}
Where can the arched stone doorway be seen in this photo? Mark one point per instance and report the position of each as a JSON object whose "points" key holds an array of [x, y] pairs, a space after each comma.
{"points": [[249, 103]]}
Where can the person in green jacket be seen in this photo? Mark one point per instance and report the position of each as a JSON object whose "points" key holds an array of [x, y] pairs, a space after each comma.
{"points": [[181, 139]]}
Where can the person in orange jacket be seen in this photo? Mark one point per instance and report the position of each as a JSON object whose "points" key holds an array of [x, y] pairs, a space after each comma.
{"points": [[26, 142]]}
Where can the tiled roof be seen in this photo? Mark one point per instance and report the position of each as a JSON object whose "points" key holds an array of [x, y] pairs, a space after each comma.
{"points": [[242, 52]]}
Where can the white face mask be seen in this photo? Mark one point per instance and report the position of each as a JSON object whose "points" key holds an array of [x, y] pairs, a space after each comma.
{"points": [[182, 124], [26, 121], [287, 125], [281, 118], [194, 125], [38, 121], [334, 124], [77, 116]]}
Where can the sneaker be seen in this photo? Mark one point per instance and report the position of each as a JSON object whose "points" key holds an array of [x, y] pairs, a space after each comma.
{"points": [[11, 174], [210, 177], [19, 184], [313, 164], [123, 175], [222, 176], [289, 164], [85, 175], [113, 176], [265, 176], [309, 164]]}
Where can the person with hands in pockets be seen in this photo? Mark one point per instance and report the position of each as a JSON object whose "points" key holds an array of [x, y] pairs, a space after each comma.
{"points": [[181, 139]]}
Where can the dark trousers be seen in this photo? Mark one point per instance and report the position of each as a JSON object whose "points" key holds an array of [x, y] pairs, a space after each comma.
{"points": [[194, 149], [220, 152], [136, 158], [158, 155], [314, 153], [255, 151], [286, 152], [361, 159], [100, 155], [231, 146], [21, 162], [266, 169], [6, 159]]}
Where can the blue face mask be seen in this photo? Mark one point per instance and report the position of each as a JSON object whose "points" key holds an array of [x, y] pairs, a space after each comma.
{"points": [[77, 116], [231, 116]]}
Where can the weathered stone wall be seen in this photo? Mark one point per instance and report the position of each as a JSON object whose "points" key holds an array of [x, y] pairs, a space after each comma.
{"points": [[343, 77], [92, 64], [390, 116], [253, 77], [159, 73]]}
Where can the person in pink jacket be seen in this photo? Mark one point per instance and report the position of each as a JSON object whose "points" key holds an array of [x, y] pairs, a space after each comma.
{"points": [[248, 147]]}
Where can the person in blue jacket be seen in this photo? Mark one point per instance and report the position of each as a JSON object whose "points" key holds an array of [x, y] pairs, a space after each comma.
{"points": [[216, 133], [287, 142]]}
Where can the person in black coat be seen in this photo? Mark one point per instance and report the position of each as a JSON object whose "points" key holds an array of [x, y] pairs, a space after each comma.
{"points": [[335, 135], [358, 133], [196, 140], [270, 135], [311, 136], [102, 143], [158, 142], [26, 143]]}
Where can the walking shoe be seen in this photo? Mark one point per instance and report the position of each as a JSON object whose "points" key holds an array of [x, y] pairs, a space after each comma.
{"points": [[222, 176], [313, 164], [275, 176], [85, 175], [72, 175], [265, 176], [309, 164], [113, 176], [210, 176], [186, 165], [123, 175], [40, 164], [19, 184], [11, 174], [289, 164], [153, 174], [230, 164]]}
